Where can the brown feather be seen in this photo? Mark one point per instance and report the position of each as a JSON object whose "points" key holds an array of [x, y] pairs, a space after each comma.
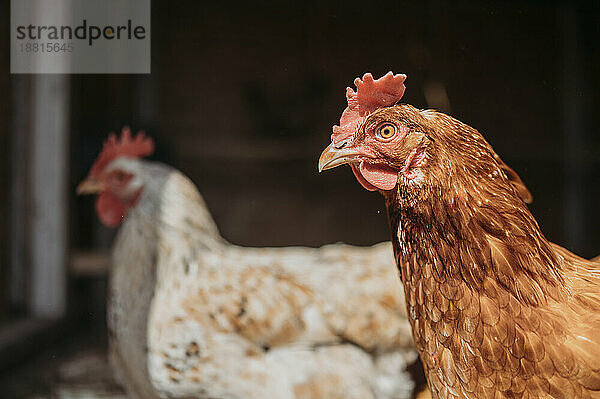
{"points": [[515, 180], [497, 310]]}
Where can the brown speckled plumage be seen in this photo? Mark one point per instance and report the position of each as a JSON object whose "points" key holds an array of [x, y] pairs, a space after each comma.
{"points": [[497, 311]]}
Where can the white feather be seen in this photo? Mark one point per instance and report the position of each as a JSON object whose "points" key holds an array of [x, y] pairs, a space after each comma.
{"points": [[193, 316]]}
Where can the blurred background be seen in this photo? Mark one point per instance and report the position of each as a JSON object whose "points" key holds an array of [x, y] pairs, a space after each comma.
{"points": [[242, 98]]}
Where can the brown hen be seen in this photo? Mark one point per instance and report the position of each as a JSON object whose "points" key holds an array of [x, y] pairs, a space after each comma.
{"points": [[497, 310]]}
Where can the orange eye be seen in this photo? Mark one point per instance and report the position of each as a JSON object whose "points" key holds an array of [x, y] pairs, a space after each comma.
{"points": [[386, 131]]}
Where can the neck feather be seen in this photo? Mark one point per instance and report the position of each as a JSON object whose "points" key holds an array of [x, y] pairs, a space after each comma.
{"points": [[472, 229], [172, 206]]}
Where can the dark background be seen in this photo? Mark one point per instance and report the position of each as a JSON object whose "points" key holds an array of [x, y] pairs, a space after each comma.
{"points": [[242, 98]]}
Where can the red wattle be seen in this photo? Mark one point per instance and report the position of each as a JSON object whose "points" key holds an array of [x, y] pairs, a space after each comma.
{"points": [[110, 209], [377, 176], [361, 179]]}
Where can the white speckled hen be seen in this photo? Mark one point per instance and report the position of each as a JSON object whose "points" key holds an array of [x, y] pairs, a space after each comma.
{"points": [[192, 316]]}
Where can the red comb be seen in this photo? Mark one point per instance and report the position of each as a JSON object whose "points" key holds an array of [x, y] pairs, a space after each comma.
{"points": [[126, 146], [370, 95]]}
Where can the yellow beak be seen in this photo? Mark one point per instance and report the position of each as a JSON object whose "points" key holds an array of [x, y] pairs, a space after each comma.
{"points": [[90, 186], [336, 155]]}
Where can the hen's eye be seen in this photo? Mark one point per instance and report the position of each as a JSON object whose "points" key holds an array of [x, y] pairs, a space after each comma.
{"points": [[387, 131], [119, 177]]}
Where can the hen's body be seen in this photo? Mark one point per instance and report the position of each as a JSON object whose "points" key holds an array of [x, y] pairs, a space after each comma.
{"points": [[496, 310], [193, 316]]}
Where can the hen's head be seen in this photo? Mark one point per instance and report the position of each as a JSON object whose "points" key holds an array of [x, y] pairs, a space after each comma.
{"points": [[389, 144], [116, 176]]}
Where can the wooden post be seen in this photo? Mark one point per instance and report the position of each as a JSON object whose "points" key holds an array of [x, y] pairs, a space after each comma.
{"points": [[49, 200]]}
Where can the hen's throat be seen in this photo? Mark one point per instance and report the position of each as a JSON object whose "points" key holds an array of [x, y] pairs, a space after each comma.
{"points": [[470, 240]]}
